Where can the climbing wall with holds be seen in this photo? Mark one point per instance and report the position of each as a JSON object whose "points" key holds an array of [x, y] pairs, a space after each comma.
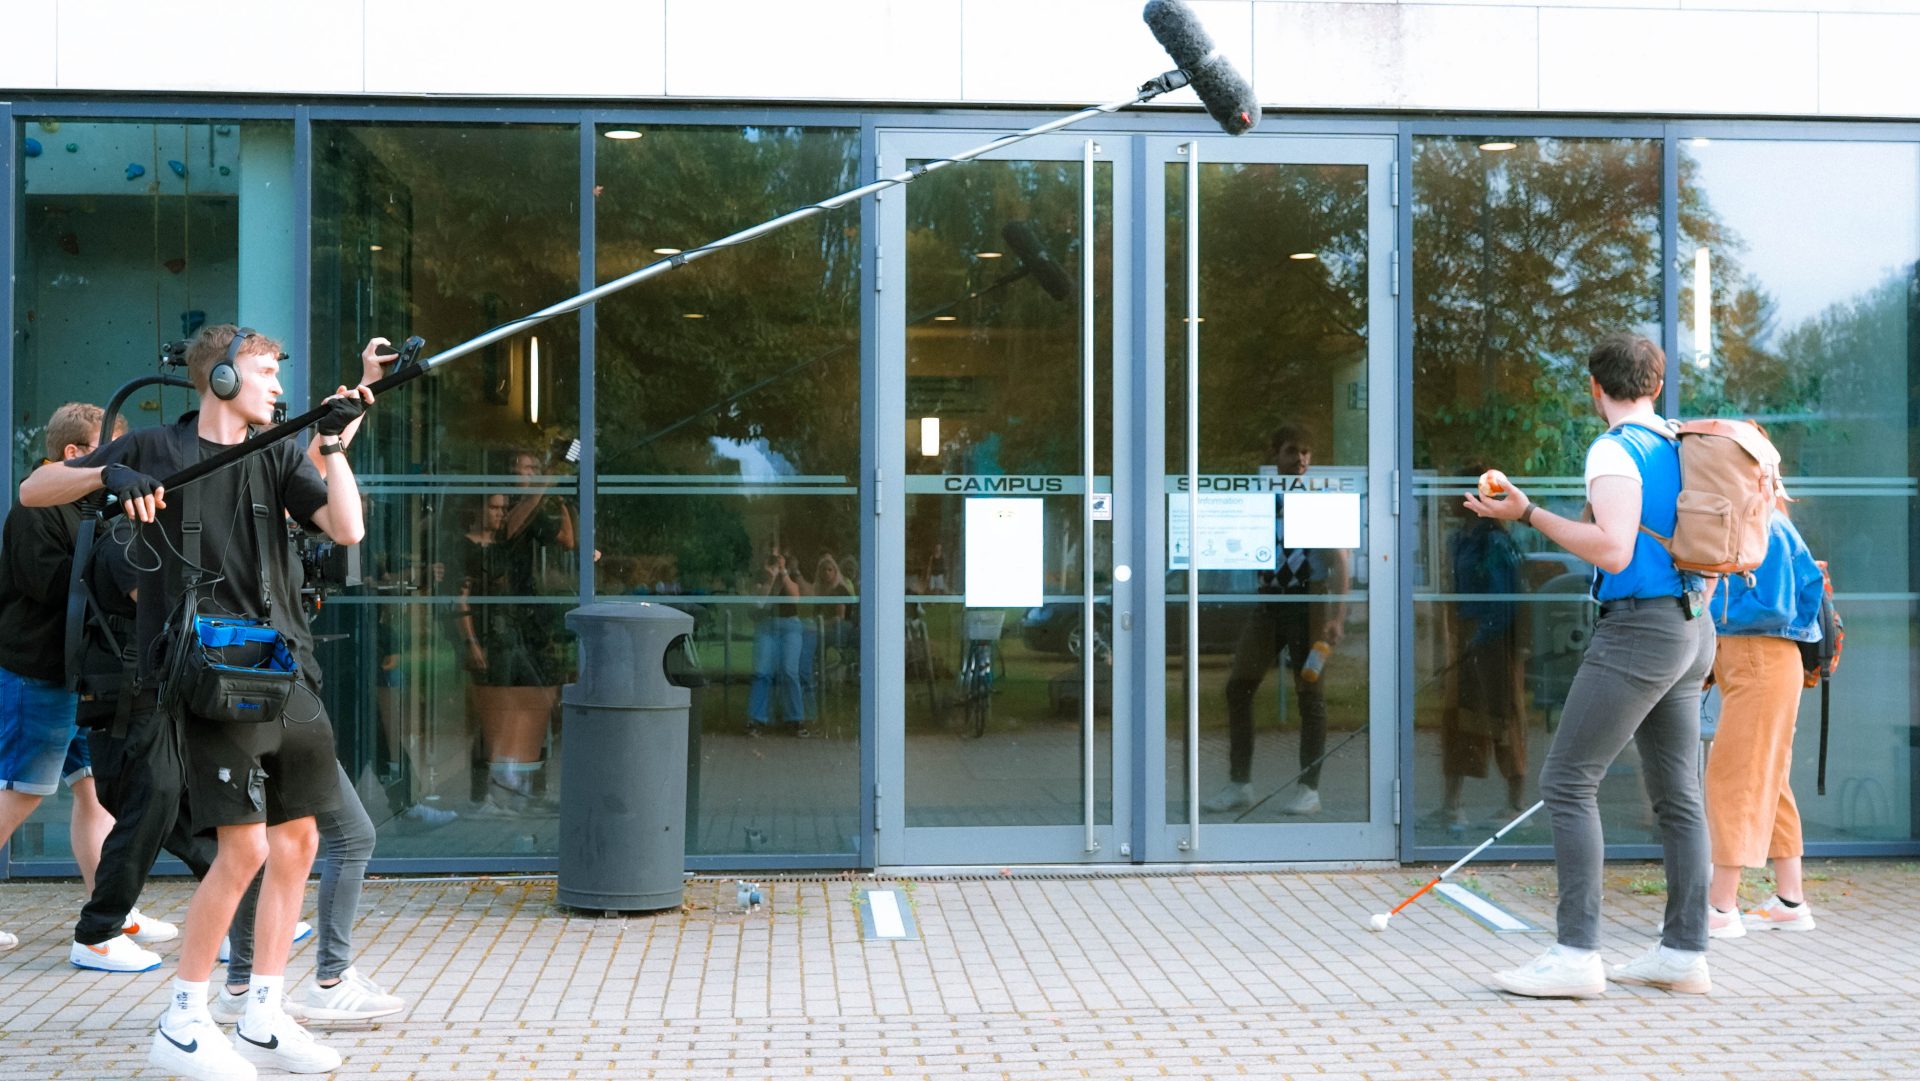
{"points": [[129, 236]]}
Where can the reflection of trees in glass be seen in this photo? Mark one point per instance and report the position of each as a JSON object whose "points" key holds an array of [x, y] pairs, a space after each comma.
{"points": [[445, 231], [1521, 260], [755, 349], [774, 352], [1821, 385], [1277, 330], [990, 351]]}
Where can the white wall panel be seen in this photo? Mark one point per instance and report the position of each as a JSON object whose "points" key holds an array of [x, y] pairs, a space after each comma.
{"points": [[1867, 65], [1869, 7], [1395, 55], [557, 48], [1678, 61], [31, 44], [1762, 57], [1092, 51], [906, 50], [311, 47]]}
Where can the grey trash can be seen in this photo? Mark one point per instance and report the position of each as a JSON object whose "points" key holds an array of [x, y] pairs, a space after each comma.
{"points": [[623, 812]]}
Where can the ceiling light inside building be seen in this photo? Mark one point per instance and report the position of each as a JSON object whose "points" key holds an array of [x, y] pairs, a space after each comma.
{"points": [[945, 318], [693, 315], [376, 247], [622, 134], [1498, 145], [666, 251], [1304, 256], [987, 255]]}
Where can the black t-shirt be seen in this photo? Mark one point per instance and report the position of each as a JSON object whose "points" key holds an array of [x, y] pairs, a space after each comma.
{"points": [[232, 541], [36, 556]]}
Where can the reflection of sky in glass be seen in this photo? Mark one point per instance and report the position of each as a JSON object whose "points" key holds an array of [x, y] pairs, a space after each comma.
{"points": [[1820, 222]]}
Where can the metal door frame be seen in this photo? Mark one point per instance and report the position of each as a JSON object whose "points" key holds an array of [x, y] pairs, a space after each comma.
{"points": [[1164, 838], [1089, 841]]}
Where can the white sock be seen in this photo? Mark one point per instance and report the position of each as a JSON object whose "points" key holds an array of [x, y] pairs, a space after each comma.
{"points": [[1572, 952], [189, 1001], [263, 998], [1681, 957]]}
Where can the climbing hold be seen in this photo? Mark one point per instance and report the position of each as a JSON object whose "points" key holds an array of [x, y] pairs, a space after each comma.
{"points": [[73, 148], [223, 130], [179, 167], [224, 171], [32, 147], [48, 125], [175, 264], [135, 170]]}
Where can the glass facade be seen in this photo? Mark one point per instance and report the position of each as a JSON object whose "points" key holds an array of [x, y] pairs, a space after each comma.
{"points": [[727, 449], [699, 440], [1525, 251]]}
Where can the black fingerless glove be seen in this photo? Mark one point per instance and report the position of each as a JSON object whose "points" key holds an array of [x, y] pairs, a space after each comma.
{"points": [[340, 413], [126, 482]]}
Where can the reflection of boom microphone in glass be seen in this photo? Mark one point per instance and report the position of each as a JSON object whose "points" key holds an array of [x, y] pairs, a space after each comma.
{"points": [[1034, 262]]}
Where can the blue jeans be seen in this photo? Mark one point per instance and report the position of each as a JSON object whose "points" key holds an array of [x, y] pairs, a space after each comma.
{"points": [[37, 735], [779, 643]]}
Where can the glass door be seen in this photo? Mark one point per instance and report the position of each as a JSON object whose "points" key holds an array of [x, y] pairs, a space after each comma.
{"points": [[996, 383], [1269, 339]]}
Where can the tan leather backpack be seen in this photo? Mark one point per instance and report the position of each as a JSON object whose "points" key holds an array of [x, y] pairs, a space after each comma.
{"points": [[1729, 471]]}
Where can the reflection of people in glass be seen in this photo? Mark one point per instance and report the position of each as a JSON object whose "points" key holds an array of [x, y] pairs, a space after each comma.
{"points": [[1485, 652], [779, 647], [513, 649], [1307, 630]]}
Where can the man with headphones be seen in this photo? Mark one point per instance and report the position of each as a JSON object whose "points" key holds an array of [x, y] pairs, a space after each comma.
{"points": [[255, 786]]}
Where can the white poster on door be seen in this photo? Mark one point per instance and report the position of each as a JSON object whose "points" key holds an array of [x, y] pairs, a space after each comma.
{"points": [[1322, 520], [1006, 550], [1235, 534]]}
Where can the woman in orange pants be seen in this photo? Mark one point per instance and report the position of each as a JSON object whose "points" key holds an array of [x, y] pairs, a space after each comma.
{"points": [[1751, 815]]}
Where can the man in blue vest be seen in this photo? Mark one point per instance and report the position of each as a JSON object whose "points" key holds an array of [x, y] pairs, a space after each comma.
{"points": [[1640, 680]]}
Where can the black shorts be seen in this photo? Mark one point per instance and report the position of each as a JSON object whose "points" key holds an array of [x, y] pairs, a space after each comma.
{"points": [[238, 774]]}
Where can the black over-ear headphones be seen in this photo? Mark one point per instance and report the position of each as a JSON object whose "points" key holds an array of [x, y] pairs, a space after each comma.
{"points": [[224, 379]]}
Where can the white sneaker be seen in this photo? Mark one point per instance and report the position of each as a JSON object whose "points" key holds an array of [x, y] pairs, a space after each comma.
{"points": [[8, 940], [1725, 924], [1669, 970], [199, 1050], [1306, 803], [1776, 916], [285, 1045], [1230, 797], [1557, 973], [146, 930], [430, 816], [228, 1008], [354, 998], [117, 954], [301, 932]]}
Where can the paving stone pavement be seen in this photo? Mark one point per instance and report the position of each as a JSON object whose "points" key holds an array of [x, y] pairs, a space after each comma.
{"points": [[1270, 975]]}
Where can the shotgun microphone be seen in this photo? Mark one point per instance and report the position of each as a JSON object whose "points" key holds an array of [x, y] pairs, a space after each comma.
{"points": [[1228, 97], [1035, 260]]}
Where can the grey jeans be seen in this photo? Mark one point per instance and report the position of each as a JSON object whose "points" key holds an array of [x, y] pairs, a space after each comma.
{"points": [[346, 843], [1639, 680]]}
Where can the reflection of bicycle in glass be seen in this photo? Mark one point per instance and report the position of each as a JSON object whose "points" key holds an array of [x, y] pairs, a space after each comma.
{"points": [[920, 666], [973, 686]]}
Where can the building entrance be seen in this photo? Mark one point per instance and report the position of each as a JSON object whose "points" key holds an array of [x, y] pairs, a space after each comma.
{"points": [[1135, 421]]}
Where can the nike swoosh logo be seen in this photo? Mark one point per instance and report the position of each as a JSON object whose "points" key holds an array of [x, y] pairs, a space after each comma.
{"points": [[271, 1044], [189, 1048], [101, 950], [130, 930]]}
